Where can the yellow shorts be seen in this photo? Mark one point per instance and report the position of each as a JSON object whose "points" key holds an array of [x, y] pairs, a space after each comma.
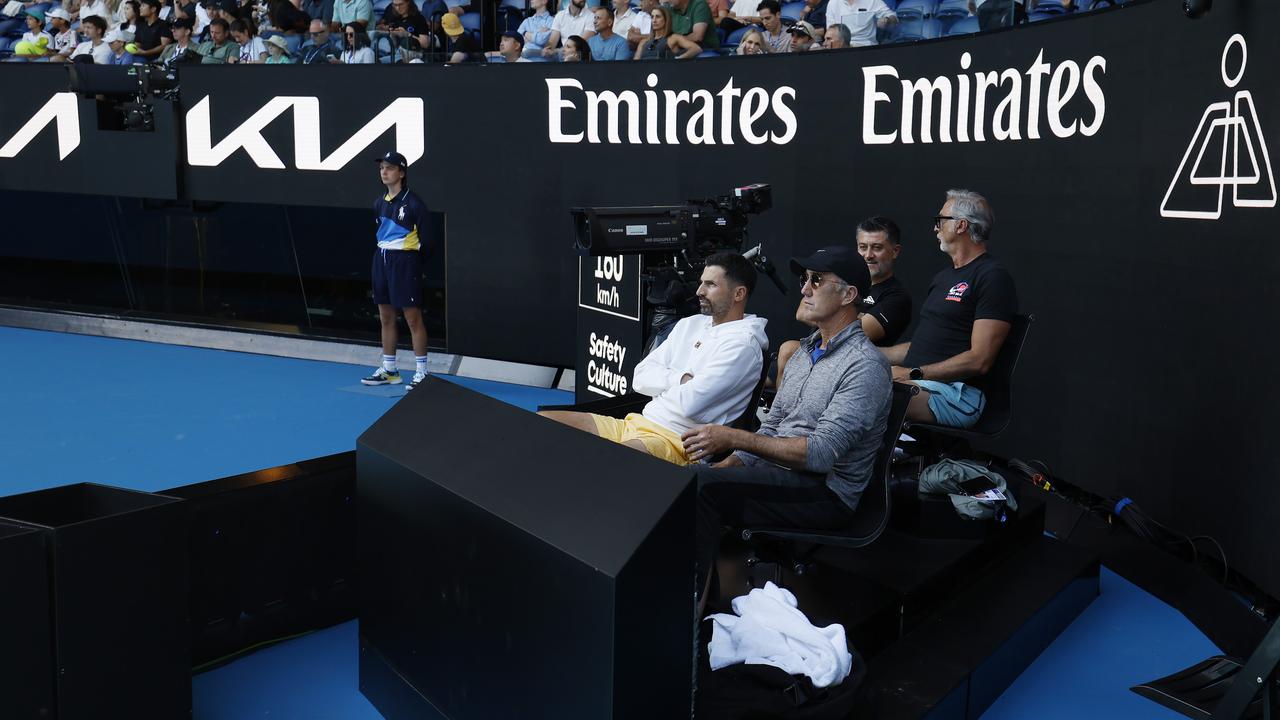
{"points": [[659, 441]]}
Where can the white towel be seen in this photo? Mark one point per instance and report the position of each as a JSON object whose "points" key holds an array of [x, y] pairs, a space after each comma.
{"points": [[769, 630]]}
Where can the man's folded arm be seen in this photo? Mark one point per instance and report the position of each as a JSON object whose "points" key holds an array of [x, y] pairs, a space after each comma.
{"points": [[732, 368]]}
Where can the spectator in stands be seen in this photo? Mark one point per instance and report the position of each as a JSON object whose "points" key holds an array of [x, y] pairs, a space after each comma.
{"points": [[397, 268], [886, 311], [462, 45], [35, 42], [319, 48], [64, 38], [606, 45], [277, 51], [289, 18], [836, 37], [814, 12], [862, 17], [803, 36], [152, 34], [626, 17], [964, 322], [994, 14], [704, 372], [510, 49], [351, 11], [572, 20], [655, 45], [409, 30], [193, 11], [357, 50], [116, 40], [218, 49], [91, 8], [252, 50], [777, 37], [813, 456], [576, 50], [752, 43], [217, 9], [129, 13], [536, 29], [692, 24], [94, 27], [181, 49], [741, 14]]}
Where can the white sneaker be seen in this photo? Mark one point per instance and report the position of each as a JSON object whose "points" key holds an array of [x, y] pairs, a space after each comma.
{"points": [[417, 378]]}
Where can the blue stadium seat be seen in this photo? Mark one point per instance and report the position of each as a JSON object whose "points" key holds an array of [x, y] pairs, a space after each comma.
{"points": [[735, 37], [964, 26], [293, 43], [471, 21], [1087, 5], [916, 9], [1037, 16], [893, 4], [12, 27], [791, 10], [709, 54], [4, 44], [1050, 7], [379, 7], [952, 9], [913, 30]]}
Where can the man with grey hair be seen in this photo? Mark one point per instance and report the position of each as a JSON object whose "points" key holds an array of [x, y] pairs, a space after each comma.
{"points": [[836, 36], [964, 322]]}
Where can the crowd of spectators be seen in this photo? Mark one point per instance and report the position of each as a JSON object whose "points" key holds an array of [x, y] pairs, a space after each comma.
{"points": [[413, 31]]}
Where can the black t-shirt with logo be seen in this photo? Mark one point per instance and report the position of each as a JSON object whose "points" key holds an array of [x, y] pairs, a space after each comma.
{"points": [[148, 36], [981, 290], [890, 304]]}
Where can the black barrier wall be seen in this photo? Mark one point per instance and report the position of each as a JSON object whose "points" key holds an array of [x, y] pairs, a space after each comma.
{"points": [[53, 140], [1125, 153]]}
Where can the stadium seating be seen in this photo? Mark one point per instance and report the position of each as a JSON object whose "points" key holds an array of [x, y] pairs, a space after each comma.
{"points": [[471, 21], [791, 10], [916, 9], [913, 30], [963, 26], [952, 10], [1050, 7], [1037, 16]]}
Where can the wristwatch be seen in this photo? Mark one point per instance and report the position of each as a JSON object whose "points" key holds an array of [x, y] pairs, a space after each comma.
{"points": [[916, 374]]}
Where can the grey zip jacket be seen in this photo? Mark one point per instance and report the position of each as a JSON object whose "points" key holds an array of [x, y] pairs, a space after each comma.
{"points": [[840, 403]]}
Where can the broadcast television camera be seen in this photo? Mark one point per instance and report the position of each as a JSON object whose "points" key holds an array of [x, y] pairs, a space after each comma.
{"points": [[674, 242]]}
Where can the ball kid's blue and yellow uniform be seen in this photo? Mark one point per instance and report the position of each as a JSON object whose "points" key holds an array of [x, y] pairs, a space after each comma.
{"points": [[397, 265]]}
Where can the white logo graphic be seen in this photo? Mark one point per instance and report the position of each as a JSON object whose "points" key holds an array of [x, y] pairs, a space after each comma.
{"points": [[1237, 120], [404, 114], [60, 110], [401, 212]]}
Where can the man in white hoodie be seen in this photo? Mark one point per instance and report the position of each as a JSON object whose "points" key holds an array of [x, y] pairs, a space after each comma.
{"points": [[704, 372]]}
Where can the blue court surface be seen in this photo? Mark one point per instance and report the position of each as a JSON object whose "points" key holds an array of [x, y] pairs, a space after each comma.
{"points": [[149, 417]]}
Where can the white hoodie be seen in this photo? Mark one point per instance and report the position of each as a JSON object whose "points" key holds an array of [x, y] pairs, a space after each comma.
{"points": [[725, 361]]}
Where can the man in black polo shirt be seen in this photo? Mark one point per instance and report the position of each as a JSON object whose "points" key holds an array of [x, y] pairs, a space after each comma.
{"points": [[152, 33], [964, 322], [886, 311]]}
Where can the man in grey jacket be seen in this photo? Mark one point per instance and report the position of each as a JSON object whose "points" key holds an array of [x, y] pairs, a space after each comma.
{"points": [[811, 459]]}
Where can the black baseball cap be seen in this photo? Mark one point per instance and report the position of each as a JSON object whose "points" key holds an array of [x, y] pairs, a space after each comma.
{"points": [[394, 158], [182, 23], [842, 260]]}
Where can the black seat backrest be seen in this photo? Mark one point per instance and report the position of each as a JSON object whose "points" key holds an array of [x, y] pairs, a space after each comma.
{"points": [[998, 384], [872, 514], [749, 420]]}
